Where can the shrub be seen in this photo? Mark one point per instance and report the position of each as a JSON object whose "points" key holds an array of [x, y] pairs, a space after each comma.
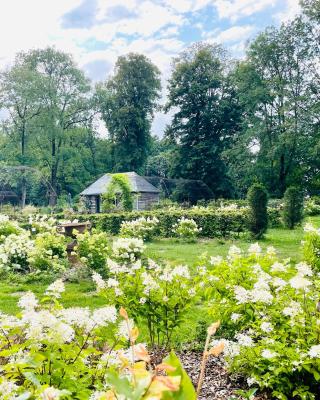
{"points": [[186, 229], [14, 253], [143, 228], [311, 246], [8, 227], [51, 352], [49, 253], [293, 207], [127, 250], [311, 207], [258, 216], [214, 223], [93, 250], [269, 318], [158, 295]]}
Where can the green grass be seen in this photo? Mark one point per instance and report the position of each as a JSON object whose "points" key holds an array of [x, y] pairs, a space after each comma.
{"points": [[286, 242]]}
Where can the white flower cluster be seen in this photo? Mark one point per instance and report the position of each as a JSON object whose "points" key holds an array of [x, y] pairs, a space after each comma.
{"points": [[14, 251], [186, 228], [142, 228], [127, 250], [42, 223]]}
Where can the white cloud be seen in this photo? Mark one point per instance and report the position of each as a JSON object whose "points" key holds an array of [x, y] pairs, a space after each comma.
{"points": [[234, 34], [236, 9], [291, 10]]}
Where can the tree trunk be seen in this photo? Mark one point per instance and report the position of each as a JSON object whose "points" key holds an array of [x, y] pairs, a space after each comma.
{"points": [[23, 192], [282, 176]]}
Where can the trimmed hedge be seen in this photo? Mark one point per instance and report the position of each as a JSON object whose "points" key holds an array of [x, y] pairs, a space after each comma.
{"points": [[213, 223]]}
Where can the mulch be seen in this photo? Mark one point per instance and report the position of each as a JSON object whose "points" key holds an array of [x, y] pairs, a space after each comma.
{"points": [[218, 383]]}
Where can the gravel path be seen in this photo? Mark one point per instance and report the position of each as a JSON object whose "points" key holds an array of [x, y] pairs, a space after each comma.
{"points": [[218, 384]]}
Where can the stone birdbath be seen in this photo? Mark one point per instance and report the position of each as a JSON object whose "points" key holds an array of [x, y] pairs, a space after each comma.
{"points": [[68, 229]]}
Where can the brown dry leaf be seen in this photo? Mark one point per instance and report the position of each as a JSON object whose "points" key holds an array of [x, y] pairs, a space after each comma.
{"points": [[163, 383], [217, 350], [213, 328], [165, 367], [134, 333], [110, 395], [141, 353], [123, 313]]}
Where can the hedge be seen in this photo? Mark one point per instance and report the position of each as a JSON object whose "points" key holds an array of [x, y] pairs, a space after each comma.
{"points": [[213, 223]]}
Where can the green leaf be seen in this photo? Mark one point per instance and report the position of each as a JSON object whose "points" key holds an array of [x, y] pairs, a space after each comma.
{"points": [[187, 391]]}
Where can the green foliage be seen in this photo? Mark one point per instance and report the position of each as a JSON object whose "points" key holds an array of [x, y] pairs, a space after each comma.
{"points": [[312, 206], [143, 228], [160, 296], [119, 183], [213, 223], [269, 319], [206, 112], [93, 249], [258, 217], [293, 207], [311, 246], [49, 351], [51, 246], [8, 227], [127, 102], [186, 229], [279, 103]]}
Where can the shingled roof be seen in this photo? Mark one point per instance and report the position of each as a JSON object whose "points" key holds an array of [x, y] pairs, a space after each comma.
{"points": [[137, 183]]}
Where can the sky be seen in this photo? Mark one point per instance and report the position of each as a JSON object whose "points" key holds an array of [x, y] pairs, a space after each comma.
{"points": [[96, 32]]}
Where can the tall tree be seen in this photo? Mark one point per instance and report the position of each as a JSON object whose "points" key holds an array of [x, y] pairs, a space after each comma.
{"points": [[19, 96], [277, 88], [206, 115], [127, 103], [65, 105]]}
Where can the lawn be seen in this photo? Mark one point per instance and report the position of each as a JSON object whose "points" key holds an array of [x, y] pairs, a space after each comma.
{"points": [[287, 243]]}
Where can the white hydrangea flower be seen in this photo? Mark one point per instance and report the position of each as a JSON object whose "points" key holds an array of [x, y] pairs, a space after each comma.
{"points": [[304, 269], [104, 315], [299, 282], [235, 317], [266, 327], [271, 251], [216, 260], [55, 289], [112, 283], [28, 302], [314, 351], [100, 283], [234, 252], [278, 267], [255, 249], [268, 354], [125, 328], [7, 389], [242, 295], [244, 340], [292, 310]]}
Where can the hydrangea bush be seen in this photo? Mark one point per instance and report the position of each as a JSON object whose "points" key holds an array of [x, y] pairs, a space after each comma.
{"points": [[127, 250], [311, 246], [8, 227], [271, 319], [186, 228], [93, 249], [143, 228], [50, 352], [159, 296]]}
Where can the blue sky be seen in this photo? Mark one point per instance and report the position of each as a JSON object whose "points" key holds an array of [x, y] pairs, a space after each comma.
{"points": [[96, 32]]}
